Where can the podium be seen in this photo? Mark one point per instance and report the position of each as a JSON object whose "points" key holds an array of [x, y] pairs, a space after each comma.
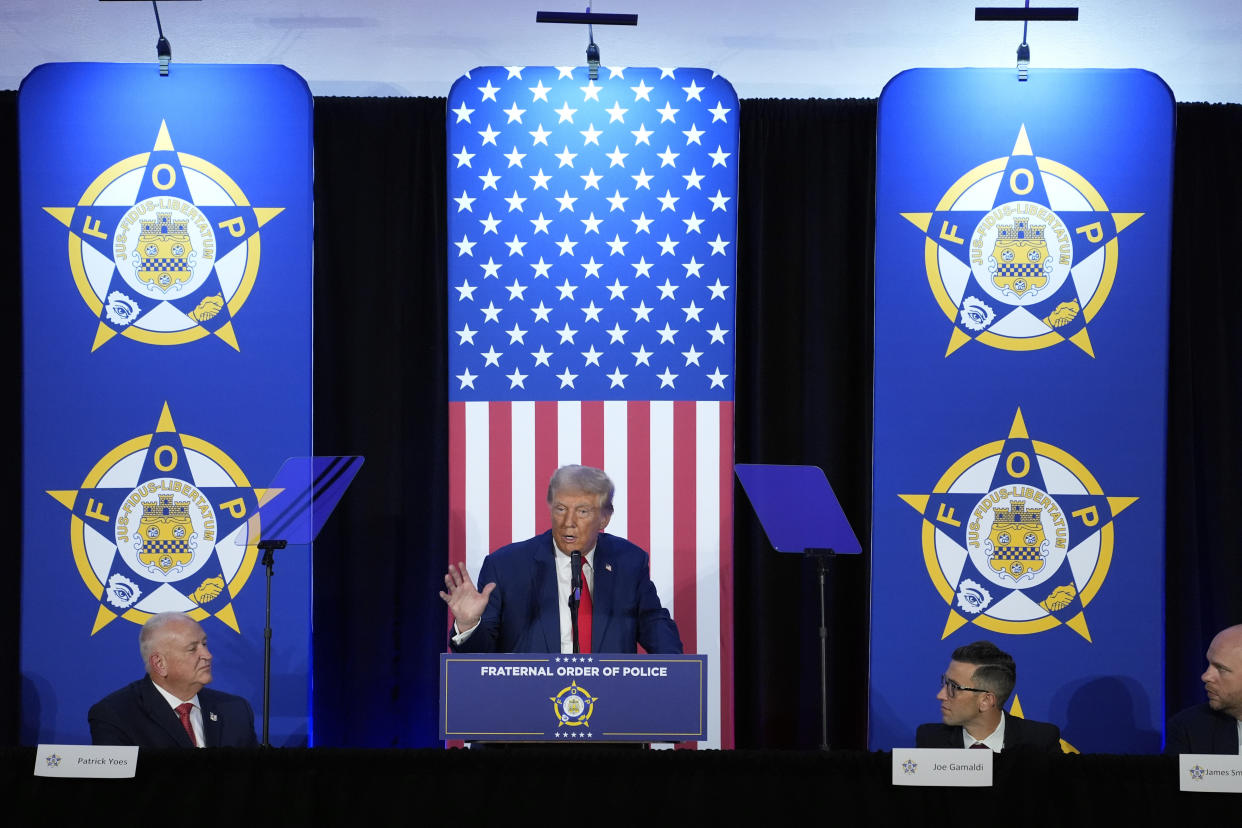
{"points": [[573, 698]]}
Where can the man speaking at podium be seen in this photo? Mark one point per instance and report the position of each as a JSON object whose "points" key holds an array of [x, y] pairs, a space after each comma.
{"points": [[524, 604]]}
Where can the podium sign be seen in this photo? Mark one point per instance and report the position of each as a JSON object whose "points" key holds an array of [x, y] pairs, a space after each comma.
{"points": [[550, 697]]}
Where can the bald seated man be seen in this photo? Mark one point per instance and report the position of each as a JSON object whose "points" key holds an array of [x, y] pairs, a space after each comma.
{"points": [[1214, 727], [171, 707]]}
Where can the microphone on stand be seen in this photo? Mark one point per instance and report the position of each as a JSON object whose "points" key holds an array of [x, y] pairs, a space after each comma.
{"points": [[575, 591]]}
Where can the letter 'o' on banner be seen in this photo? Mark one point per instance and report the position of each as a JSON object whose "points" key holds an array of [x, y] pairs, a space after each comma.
{"points": [[1021, 330], [592, 271], [166, 314]]}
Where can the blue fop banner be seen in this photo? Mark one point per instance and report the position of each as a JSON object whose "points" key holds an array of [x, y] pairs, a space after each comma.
{"points": [[166, 242], [1021, 304]]}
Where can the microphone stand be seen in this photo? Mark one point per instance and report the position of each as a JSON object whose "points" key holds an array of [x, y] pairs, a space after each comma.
{"points": [[575, 592]]}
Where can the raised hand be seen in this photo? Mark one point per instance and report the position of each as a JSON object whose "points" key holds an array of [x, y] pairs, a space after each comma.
{"points": [[464, 601]]}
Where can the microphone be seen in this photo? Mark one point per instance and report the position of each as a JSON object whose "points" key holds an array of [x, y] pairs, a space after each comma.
{"points": [[575, 592], [575, 575]]}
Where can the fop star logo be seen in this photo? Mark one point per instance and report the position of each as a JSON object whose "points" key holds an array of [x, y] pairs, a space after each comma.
{"points": [[164, 247], [573, 706], [165, 521], [1017, 536], [1021, 253]]}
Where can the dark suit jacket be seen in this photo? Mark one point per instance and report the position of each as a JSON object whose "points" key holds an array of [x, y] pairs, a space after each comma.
{"points": [[1201, 729], [1020, 734], [523, 612], [138, 715]]}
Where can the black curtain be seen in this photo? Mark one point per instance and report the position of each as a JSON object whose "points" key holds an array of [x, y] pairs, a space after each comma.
{"points": [[804, 334], [806, 213], [11, 475], [1203, 564], [381, 391]]}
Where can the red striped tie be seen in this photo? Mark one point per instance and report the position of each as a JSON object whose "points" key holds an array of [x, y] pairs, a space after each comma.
{"points": [[183, 710], [584, 616]]}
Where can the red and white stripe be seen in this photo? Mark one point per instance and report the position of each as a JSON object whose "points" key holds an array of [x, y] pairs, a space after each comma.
{"points": [[672, 464]]}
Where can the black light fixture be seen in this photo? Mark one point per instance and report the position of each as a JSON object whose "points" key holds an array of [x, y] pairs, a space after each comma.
{"points": [[592, 54], [163, 49], [589, 18], [1026, 15]]}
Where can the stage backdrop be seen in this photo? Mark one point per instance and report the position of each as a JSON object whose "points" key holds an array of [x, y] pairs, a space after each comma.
{"points": [[166, 240], [592, 257], [1021, 316]]}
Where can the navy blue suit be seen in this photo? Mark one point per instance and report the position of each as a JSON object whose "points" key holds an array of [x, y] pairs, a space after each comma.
{"points": [[1020, 735], [523, 611], [138, 715], [1200, 729]]}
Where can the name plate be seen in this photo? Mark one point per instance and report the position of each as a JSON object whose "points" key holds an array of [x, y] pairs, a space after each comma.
{"points": [[548, 697], [1209, 772], [945, 767], [86, 761]]}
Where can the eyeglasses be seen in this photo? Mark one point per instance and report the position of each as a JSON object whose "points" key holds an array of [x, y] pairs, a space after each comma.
{"points": [[952, 688]]}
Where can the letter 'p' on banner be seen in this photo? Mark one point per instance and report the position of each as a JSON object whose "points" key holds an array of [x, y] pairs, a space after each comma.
{"points": [[1021, 330]]}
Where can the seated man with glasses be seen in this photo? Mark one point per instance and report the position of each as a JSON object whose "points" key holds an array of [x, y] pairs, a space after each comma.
{"points": [[523, 604], [972, 691]]}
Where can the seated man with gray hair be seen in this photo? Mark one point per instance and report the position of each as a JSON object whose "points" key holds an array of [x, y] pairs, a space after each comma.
{"points": [[524, 603], [972, 692], [170, 707]]}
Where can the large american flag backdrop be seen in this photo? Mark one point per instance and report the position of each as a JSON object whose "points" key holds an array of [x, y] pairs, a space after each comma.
{"points": [[592, 249]]}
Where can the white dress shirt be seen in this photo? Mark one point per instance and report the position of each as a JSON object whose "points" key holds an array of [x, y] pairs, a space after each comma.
{"points": [[995, 740], [564, 573]]}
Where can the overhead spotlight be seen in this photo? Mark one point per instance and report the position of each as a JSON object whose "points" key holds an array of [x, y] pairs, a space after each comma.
{"points": [[592, 57], [1026, 14], [588, 17], [163, 49]]}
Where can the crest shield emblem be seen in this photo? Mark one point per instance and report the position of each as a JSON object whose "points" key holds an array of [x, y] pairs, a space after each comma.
{"points": [[1020, 254], [165, 531], [1018, 544], [164, 253]]}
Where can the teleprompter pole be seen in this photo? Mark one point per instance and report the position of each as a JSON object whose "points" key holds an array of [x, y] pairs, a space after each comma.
{"points": [[269, 561]]}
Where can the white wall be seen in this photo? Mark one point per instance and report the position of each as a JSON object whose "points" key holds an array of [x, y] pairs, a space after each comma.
{"points": [[779, 48]]}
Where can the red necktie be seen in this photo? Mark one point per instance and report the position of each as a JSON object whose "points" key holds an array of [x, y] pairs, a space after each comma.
{"points": [[584, 616], [979, 746], [183, 710]]}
